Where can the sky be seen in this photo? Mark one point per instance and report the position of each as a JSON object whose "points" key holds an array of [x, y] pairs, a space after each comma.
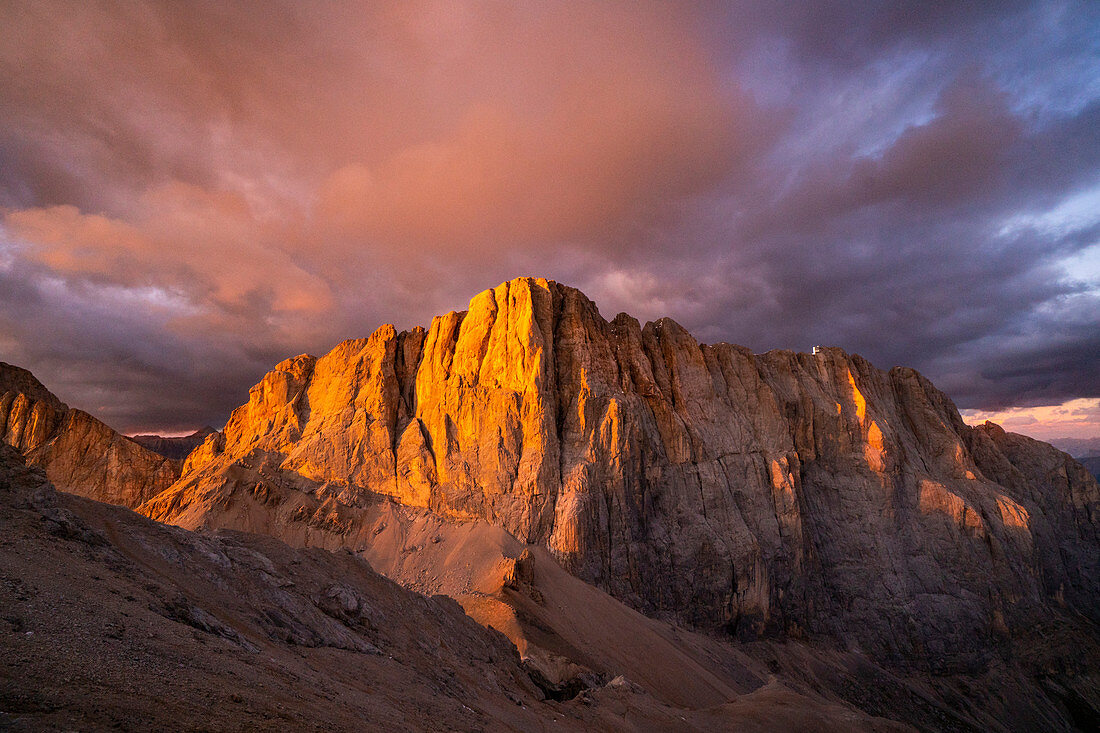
{"points": [[192, 192]]}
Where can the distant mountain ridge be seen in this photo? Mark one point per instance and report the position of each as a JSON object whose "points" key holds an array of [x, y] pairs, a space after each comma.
{"points": [[1078, 447], [175, 448]]}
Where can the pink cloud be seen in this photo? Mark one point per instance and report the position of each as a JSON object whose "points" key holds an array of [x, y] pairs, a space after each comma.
{"points": [[207, 247]]}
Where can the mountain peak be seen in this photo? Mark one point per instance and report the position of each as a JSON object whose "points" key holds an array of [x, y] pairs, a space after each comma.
{"points": [[697, 482]]}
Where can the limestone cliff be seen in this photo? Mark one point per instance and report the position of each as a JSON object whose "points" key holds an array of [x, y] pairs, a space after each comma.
{"points": [[791, 493], [79, 453]]}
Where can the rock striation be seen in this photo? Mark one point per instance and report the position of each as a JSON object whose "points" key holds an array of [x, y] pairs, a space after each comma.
{"points": [[79, 453], [806, 495]]}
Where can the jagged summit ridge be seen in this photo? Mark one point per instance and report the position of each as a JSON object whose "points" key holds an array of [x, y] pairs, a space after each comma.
{"points": [[776, 493]]}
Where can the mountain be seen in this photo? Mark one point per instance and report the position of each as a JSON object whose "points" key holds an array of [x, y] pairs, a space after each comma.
{"points": [[707, 523], [1078, 447], [80, 453], [801, 494], [176, 448], [113, 621]]}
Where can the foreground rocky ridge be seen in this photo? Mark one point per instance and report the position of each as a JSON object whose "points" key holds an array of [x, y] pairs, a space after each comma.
{"points": [[1042, 678], [802, 495], [113, 621], [78, 452]]}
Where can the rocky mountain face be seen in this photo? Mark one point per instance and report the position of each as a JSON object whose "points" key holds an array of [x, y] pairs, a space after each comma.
{"points": [[176, 448], [79, 453], [784, 494]]}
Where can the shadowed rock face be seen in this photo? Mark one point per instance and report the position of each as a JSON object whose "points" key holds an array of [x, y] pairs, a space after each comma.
{"points": [[780, 493], [79, 453]]}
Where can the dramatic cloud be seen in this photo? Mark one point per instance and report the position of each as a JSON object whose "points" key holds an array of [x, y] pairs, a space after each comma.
{"points": [[191, 192]]}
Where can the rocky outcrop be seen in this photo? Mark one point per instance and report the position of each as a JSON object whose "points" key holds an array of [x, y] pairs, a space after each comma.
{"points": [[79, 453], [806, 495], [176, 448]]}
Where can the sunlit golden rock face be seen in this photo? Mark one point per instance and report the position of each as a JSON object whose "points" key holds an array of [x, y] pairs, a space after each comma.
{"points": [[782, 492], [79, 453]]}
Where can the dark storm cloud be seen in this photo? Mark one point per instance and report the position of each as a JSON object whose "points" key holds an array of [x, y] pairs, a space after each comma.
{"points": [[926, 251], [192, 192]]}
